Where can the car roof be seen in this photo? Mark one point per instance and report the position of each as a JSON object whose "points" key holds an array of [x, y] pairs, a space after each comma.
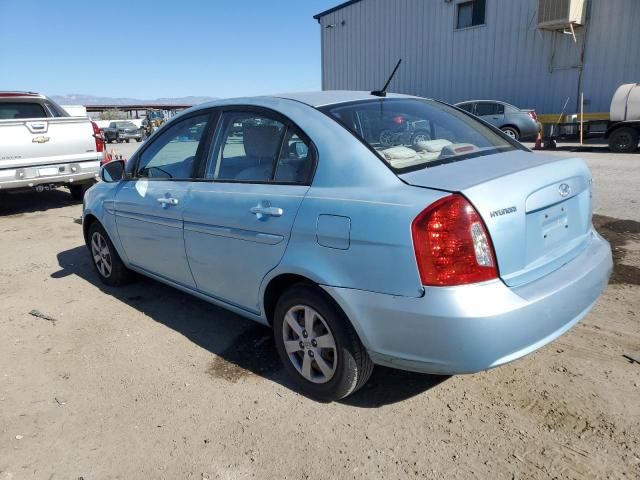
{"points": [[20, 95], [313, 99], [330, 97]]}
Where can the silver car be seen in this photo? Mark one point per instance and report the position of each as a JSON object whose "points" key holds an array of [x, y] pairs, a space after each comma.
{"points": [[519, 124], [450, 253]]}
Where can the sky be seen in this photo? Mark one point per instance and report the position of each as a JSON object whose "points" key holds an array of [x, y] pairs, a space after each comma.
{"points": [[149, 49]]}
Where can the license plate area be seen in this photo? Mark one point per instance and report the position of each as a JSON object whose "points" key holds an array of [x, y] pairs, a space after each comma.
{"points": [[552, 230], [46, 172]]}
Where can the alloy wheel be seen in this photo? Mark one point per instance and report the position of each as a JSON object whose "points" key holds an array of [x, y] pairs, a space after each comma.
{"points": [[309, 344], [101, 254]]}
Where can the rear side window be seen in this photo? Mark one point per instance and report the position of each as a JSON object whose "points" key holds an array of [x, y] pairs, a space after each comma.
{"points": [[56, 110], [255, 148], [11, 110], [486, 108]]}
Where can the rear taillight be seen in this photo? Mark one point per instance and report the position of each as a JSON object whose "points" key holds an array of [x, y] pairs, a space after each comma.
{"points": [[452, 244], [533, 116], [97, 134]]}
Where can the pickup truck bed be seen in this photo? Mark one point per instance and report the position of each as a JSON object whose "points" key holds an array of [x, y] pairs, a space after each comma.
{"points": [[48, 151]]}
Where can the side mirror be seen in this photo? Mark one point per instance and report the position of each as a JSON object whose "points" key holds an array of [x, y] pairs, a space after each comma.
{"points": [[114, 171]]}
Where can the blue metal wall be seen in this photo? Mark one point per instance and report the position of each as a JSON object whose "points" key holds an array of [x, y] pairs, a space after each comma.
{"points": [[507, 59]]}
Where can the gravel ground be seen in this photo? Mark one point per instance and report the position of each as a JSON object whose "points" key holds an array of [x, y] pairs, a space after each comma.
{"points": [[148, 382]]}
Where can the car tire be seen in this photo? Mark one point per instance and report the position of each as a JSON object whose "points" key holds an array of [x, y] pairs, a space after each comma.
{"points": [[111, 270], [329, 369], [77, 191], [623, 140], [511, 132], [386, 138]]}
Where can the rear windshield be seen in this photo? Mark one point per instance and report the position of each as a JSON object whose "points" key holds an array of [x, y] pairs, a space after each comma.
{"points": [[125, 125], [10, 110], [410, 134]]}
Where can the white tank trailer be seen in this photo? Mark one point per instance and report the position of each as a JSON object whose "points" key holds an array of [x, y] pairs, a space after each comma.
{"points": [[622, 130]]}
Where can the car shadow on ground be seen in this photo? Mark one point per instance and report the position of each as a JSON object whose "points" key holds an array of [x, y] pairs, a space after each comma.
{"points": [[240, 346], [32, 201]]}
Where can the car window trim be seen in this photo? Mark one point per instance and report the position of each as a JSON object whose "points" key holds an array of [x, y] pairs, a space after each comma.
{"points": [[133, 174], [273, 114]]}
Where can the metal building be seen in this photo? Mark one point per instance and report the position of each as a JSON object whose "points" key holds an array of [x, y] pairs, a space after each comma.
{"points": [[532, 53]]}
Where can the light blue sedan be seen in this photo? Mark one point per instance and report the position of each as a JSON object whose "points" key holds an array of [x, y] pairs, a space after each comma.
{"points": [[453, 251]]}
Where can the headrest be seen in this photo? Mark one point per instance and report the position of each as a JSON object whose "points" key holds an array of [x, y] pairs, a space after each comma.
{"points": [[261, 140]]}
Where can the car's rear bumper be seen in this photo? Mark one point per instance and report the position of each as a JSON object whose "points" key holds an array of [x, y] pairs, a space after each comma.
{"points": [[56, 174], [471, 328]]}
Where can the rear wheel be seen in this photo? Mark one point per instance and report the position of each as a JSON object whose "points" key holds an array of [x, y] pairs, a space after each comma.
{"points": [[77, 191], [106, 260], [623, 140], [318, 346], [511, 132]]}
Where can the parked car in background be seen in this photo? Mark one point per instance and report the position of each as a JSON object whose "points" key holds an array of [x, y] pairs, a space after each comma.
{"points": [[452, 254], [121, 131], [517, 123], [42, 147]]}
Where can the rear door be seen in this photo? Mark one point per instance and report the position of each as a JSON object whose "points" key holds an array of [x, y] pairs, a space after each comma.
{"points": [[149, 207], [491, 112], [239, 217]]}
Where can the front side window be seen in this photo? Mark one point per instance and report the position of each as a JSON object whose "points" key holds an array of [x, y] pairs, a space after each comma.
{"points": [[172, 155], [255, 148], [410, 134], [11, 110], [467, 107], [471, 14]]}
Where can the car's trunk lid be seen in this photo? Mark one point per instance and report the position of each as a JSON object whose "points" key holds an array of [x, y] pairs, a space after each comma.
{"points": [[537, 209]]}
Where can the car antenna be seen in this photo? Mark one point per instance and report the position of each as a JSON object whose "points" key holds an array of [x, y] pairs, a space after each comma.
{"points": [[383, 92]]}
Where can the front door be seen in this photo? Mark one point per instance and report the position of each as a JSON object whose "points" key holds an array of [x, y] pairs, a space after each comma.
{"points": [[149, 207], [238, 221]]}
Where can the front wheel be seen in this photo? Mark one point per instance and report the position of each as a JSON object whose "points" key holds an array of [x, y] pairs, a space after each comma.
{"points": [[318, 346], [623, 140], [106, 260]]}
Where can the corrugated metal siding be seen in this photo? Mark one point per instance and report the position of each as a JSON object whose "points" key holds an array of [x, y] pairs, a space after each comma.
{"points": [[507, 59]]}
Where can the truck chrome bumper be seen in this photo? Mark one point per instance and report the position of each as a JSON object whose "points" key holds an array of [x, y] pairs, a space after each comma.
{"points": [[57, 174]]}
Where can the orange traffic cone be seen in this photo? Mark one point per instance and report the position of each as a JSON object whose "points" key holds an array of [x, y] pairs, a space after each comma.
{"points": [[107, 157], [538, 145]]}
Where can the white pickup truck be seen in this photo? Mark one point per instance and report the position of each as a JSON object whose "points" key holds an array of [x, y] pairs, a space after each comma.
{"points": [[42, 147]]}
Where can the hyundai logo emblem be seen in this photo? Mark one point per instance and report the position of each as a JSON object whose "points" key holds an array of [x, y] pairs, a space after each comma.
{"points": [[564, 190]]}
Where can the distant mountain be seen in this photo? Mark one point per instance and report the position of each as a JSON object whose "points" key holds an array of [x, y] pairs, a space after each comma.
{"points": [[79, 99]]}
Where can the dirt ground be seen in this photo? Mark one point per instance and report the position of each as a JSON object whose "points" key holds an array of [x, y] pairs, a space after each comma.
{"points": [[147, 382]]}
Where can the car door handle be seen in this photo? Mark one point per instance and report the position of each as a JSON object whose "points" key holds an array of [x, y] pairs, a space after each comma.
{"points": [[168, 201], [261, 211]]}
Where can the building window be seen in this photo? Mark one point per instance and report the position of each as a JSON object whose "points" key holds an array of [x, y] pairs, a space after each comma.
{"points": [[471, 14]]}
